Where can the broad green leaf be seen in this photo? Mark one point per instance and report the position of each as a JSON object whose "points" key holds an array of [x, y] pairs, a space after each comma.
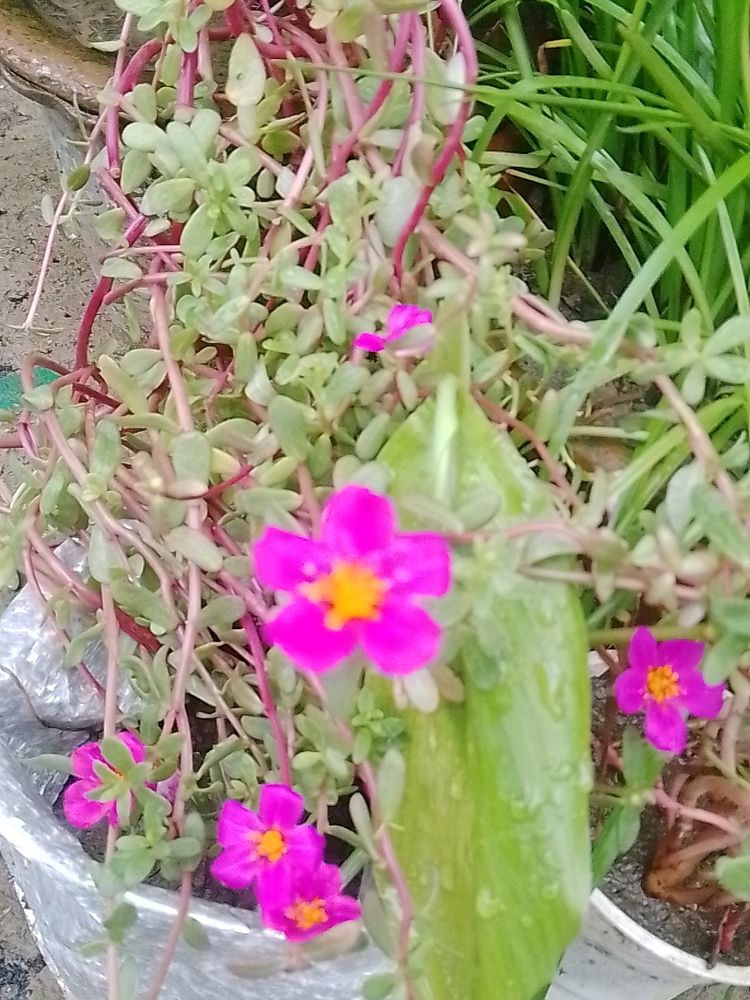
{"points": [[618, 834], [493, 828], [641, 763], [734, 875]]}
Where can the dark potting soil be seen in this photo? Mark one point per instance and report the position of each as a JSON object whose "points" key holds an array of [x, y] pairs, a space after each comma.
{"points": [[693, 929]]}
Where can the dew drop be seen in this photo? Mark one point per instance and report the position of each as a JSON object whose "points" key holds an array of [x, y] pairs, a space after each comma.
{"points": [[488, 905]]}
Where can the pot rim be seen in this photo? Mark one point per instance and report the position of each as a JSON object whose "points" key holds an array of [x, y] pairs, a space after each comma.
{"points": [[732, 975]]}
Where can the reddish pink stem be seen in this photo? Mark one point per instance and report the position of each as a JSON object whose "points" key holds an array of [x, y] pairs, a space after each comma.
{"points": [[264, 690], [451, 11], [95, 303]]}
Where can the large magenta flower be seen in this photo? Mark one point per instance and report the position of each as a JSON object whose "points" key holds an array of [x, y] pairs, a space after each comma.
{"points": [[663, 680], [401, 319], [80, 809], [302, 905], [358, 584], [254, 844]]}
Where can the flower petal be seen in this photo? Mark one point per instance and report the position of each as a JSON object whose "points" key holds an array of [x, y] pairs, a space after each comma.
{"points": [[403, 639], [235, 868], [357, 521], [371, 342], [325, 882], [236, 822], [280, 806], [276, 888], [698, 697], [630, 688], [403, 318], [643, 650], [665, 727], [417, 563], [134, 744], [681, 654], [283, 560], [81, 811], [299, 629], [82, 761], [342, 909], [306, 846]]}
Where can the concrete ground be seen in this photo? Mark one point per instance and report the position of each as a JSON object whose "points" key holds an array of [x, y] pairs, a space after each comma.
{"points": [[28, 170]]}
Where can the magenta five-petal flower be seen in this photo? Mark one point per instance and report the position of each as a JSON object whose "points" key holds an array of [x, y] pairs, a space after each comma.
{"points": [[663, 680], [80, 809], [401, 319], [254, 844], [356, 585], [301, 905]]}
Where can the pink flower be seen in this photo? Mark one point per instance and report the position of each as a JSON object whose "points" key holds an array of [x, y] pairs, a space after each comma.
{"points": [[401, 319], [302, 905], [80, 809], [254, 844], [663, 680], [357, 585]]}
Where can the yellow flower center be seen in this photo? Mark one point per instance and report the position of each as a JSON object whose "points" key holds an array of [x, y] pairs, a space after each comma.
{"points": [[662, 684], [351, 591], [307, 913], [269, 845]]}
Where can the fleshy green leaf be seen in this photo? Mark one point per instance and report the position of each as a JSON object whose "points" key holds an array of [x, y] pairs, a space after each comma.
{"points": [[246, 78], [723, 657], [734, 875], [196, 547], [287, 420], [720, 524]]}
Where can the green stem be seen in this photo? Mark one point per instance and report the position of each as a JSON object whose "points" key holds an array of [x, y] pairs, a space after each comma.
{"points": [[619, 636]]}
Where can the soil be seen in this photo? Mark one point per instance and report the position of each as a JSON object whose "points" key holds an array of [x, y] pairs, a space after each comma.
{"points": [[693, 929]]}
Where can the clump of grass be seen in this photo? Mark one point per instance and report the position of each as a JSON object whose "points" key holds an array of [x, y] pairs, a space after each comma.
{"points": [[636, 119]]}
